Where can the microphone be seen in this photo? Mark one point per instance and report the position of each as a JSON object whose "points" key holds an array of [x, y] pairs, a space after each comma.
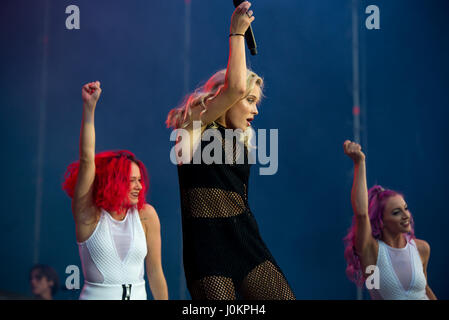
{"points": [[249, 35]]}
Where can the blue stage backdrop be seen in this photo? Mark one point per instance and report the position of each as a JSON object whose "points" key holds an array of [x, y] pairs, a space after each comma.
{"points": [[149, 54]]}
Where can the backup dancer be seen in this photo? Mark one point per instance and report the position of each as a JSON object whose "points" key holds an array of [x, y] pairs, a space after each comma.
{"points": [[382, 235], [224, 255], [116, 230]]}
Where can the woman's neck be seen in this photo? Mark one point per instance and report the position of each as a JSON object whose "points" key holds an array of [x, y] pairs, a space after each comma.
{"points": [[120, 214], [394, 241], [221, 121], [46, 295]]}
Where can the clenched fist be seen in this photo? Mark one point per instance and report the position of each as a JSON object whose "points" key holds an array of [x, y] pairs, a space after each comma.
{"points": [[91, 93], [354, 151]]}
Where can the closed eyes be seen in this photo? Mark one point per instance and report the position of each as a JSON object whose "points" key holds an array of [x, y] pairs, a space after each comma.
{"points": [[396, 211], [252, 99]]}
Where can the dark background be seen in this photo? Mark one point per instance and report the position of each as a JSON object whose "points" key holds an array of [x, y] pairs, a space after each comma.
{"points": [[137, 50]]}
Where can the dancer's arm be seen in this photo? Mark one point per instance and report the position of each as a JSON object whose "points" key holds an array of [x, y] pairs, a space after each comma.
{"points": [[236, 73], [155, 274], [424, 251], [365, 244], [82, 203]]}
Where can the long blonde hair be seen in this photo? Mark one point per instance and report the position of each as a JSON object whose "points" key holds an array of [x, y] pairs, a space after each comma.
{"points": [[180, 117]]}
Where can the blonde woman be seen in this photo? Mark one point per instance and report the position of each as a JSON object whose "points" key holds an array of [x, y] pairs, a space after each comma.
{"points": [[224, 254]]}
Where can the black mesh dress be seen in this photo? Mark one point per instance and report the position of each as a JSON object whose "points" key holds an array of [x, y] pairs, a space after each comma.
{"points": [[224, 255]]}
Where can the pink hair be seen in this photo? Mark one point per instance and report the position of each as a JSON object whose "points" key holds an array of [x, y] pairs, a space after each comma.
{"points": [[377, 198], [111, 184]]}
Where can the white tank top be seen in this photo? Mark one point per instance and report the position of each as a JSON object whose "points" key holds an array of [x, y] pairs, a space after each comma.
{"points": [[401, 275], [114, 254]]}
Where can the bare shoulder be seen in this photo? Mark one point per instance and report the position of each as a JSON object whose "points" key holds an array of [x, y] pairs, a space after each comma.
{"points": [[423, 248], [148, 215]]}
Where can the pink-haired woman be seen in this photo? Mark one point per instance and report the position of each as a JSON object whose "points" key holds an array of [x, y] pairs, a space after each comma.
{"points": [[116, 230], [381, 242]]}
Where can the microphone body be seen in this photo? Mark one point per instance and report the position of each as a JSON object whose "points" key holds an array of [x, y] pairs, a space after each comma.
{"points": [[249, 35]]}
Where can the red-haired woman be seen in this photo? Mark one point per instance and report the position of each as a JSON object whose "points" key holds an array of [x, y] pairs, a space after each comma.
{"points": [[117, 232], [382, 237]]}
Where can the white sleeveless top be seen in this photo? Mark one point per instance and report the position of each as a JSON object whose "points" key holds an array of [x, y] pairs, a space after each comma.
{"points": [[113, 258], [401, 274]]}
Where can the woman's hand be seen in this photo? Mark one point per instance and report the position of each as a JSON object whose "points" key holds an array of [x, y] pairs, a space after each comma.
{"points": [[241, 18], [91, 93], [354, 151]]}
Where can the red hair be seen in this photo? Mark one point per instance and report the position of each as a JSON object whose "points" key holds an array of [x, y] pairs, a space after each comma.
{"points": [[112, 180]]}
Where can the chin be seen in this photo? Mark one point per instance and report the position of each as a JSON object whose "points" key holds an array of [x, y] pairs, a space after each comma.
{"points": [[132, 202], [406, 230]]}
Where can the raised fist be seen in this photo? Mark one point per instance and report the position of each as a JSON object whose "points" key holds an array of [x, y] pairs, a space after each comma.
{"points": [[354, 151], [91, 93]]}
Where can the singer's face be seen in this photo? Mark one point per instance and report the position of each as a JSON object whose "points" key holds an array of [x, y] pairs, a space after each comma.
{"points": [[244, 111]]}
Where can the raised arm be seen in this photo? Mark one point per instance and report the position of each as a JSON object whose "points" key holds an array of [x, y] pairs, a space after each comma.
{"points": [[82, 203], [236, 72], [155, 274], [365, 244]]}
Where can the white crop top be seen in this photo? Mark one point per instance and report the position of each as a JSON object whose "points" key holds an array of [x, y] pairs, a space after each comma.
{"points": [[401, 274], [115, 252]]}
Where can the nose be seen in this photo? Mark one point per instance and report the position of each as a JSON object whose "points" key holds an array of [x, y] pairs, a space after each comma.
{"points": [[255, 111]]}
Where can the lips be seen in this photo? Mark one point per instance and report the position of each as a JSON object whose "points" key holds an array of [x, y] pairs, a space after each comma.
{"points": [[248, 121], [405, 223], [135, 194]]}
